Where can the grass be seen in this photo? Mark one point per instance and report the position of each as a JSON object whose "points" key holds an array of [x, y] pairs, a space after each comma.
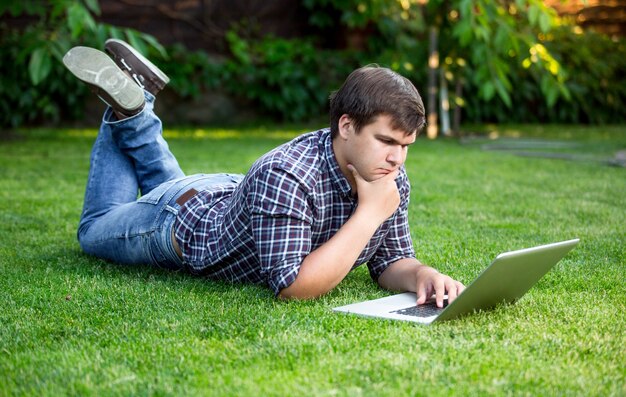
{"points": [[74, 325]]}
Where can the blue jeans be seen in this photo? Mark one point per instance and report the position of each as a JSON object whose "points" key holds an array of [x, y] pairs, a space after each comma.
{"points": [[128, 157]]}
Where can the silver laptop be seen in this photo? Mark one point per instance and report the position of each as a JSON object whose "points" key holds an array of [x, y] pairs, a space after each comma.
{"points": [[505, 281]]}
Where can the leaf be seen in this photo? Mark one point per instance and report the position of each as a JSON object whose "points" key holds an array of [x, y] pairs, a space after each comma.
{"points": [[39, 65], [93, 6], [488, 90], [59, 47], [533, 14], [114, 32], [135, 41], [463, 31], [503, 93], [75, 14], [545, 22], [79, 19], [151, 40]]}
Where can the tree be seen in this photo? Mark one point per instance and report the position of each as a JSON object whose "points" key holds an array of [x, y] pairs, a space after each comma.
{"points": [[479, 43]]}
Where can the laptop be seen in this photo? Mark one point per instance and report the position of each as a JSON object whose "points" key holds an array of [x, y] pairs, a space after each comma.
{"points": [[506, 280]]}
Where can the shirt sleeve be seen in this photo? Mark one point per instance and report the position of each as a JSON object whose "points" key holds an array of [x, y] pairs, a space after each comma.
{"points": [[397, 243], [281, 226]]}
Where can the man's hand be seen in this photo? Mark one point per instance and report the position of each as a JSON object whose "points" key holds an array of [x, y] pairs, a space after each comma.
{"points": [[410, 275], [379, 198], [328, 264], [430, 281]]}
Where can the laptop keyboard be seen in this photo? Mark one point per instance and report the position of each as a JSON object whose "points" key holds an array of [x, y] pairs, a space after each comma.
{"points": [[425, 310]]}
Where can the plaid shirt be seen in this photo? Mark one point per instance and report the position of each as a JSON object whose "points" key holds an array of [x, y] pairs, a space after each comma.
{"points": [[292, 201]]}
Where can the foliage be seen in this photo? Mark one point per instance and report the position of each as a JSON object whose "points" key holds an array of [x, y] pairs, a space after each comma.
{"points": [[515, 60], [289, 79], [74, 325], [393, 29], [597, 80], [190, 72], [596, 66], [43, 89], [477, 39], [22, 101]]}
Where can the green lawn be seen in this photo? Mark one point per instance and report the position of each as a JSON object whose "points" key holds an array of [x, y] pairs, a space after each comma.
{"points": [[74, 325]]}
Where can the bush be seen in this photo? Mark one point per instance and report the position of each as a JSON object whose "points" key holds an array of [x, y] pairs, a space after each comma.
{"points": [[40, 88], [595, 66], [23, 102], [581, 79], [597, 76], [288, 79]]}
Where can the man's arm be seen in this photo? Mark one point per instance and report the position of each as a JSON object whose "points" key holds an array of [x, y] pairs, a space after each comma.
{"points": [[410, 275], [326, 266]]}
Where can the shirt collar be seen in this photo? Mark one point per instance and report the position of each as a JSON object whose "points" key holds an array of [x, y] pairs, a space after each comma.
{"points": [[337, 177]]}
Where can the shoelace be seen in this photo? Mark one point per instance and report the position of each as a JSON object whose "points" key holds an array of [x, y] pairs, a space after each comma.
{"points": [[133, 75]]}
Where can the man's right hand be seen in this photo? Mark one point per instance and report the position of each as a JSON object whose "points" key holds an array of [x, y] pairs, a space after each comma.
{"points": [[379, 198], [328, 264]]}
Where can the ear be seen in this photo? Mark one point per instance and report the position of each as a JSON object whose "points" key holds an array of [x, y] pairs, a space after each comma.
{"points": [[346, 127]]}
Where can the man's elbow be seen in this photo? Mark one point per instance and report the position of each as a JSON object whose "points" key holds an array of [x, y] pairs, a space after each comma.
{"points": [[299, 291]]}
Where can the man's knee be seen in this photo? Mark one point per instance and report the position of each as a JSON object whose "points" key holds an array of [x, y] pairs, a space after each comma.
{"points": [[81, 236]]}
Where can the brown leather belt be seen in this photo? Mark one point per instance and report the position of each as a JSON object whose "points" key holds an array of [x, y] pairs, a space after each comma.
{"points": [[186, 196], [180, 201]]}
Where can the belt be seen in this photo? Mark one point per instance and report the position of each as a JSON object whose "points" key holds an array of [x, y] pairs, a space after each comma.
{"points": [[180, 201], [186, 196]]}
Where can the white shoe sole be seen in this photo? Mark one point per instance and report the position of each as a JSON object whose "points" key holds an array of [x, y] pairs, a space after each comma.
{"points": [[112, 85]]}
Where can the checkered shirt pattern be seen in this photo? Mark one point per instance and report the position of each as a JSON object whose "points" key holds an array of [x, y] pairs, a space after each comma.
{"points": [[292, 201]]}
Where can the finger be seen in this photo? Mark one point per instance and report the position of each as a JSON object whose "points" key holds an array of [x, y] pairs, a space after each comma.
{"points": [[390, 176], [440, 290], [453, 292], [421, 295], [394, 174], [355, 172], [459, 287]]}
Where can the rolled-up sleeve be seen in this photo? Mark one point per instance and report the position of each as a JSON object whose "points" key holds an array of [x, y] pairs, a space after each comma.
{"points": [[281, 226]]}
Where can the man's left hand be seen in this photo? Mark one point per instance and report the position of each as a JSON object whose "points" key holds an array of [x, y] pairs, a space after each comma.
{"points": [[430, 281]]}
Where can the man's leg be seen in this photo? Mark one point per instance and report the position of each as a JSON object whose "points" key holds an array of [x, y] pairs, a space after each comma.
{"points": [[128, 155], [140, 138]]}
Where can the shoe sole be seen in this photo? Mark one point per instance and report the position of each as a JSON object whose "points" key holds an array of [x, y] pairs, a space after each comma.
{"points": [[111, 84], [152, 67]]}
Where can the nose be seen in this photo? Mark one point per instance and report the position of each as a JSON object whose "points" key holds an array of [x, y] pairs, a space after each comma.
{"points": [[396, 155]]}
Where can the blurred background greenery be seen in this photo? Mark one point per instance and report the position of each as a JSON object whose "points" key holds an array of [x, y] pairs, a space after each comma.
{"points": [[473, 61]]}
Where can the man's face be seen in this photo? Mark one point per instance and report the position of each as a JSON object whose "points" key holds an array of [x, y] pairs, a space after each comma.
{"points": [[375, 151]]}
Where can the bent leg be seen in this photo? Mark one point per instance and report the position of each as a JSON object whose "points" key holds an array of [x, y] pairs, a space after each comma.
{"points": [[128, 155], [141, 139]]}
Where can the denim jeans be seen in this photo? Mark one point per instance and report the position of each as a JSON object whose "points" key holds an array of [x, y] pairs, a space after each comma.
{"points": [[130, 157]]}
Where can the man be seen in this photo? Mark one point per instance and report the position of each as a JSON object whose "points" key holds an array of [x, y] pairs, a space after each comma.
{"points": [[304, 215]]}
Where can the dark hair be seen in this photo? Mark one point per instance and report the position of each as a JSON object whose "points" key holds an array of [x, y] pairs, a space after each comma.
{"points": [[371, 91]]}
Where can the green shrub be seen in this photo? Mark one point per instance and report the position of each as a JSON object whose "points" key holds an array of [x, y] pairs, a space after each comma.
{"points": [[597, 78], [288, 79], [595, 66], [34, 85], [23, 102]]}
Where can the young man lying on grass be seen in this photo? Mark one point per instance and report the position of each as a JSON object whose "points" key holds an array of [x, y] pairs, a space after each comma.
{"points": [[304, 215]]}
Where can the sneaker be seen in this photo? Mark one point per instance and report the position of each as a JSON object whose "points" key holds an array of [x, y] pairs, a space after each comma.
{"points": [[145, 73], [107, 80]]}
